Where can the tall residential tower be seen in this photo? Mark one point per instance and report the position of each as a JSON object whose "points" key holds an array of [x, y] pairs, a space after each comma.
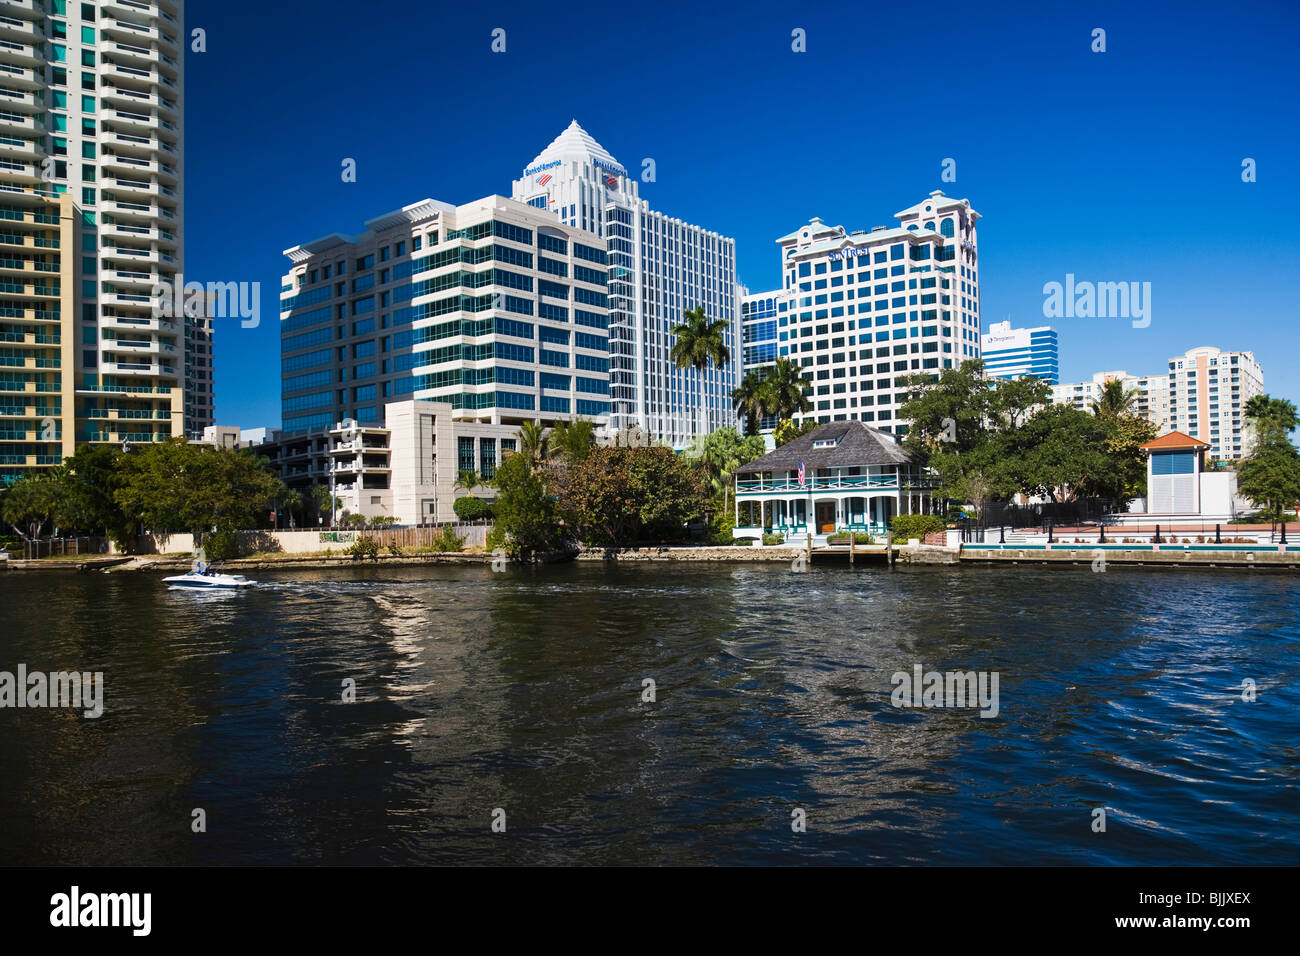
{"points": [[91, 206]]}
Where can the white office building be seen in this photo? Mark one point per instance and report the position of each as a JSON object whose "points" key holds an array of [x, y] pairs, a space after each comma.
{"points": [[492, 307], [659, 267], [406, 465], [862, 310], [1019, 353]]}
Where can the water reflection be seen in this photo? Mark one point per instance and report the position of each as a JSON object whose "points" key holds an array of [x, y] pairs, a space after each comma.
{"points": [[523, 691]]}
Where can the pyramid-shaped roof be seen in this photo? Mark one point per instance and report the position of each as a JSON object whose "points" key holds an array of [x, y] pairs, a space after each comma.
{"points": [[574, 143], [1174, 439], [838, 444]]}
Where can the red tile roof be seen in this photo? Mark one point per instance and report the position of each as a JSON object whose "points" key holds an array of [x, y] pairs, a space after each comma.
{"points": [[1174, 440]]}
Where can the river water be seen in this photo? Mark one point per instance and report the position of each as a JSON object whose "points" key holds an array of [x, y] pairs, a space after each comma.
{"points": [[518, 697]]}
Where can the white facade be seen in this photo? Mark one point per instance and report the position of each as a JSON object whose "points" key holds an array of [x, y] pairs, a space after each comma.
{"points": [[1015, 353], [1151, 401], [659, 267], [407, 465], [492, 306], [862, 310], [1203, 394], [1208, 392]]}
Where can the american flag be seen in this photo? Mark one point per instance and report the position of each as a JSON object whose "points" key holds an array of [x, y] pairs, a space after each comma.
{"points": [[611, 181], [543, 179], [801, 473]]}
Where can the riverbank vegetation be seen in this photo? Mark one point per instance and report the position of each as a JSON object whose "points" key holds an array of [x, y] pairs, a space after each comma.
{"points": [[168, 486], [990, 439], [1270, 475]]}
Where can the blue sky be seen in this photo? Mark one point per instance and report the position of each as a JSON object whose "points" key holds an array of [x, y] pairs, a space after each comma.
{"points": [[1115, 166]]}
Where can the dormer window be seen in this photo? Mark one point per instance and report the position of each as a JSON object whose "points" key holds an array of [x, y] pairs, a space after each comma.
{"points": [[826, 443]]}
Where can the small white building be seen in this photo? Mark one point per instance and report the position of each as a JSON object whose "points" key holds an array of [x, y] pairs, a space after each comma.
{"points": [[1178, 485]]}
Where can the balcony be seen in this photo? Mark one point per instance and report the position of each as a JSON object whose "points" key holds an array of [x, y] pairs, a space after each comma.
{"points": [[18, 53], [136, 299], [16, 148], [16, 30], [845, 483], [18, 124]]}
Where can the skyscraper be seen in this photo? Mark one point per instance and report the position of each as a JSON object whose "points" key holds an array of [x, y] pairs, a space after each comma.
{"points": [[659, 267], [860, 311], [1203, 394], [1208, 392], [91, 198], [493, 307]]}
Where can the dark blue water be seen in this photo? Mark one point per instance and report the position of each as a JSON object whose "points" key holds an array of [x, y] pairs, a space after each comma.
{"points": [[522, 691]]}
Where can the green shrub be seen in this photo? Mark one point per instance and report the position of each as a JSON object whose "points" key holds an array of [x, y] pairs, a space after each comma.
{"points": [[449, 540], [470, 508], [221, 545], [776, 538], [720, 526], [859, 538], [915, 526], [364, 547], [394, 550]]}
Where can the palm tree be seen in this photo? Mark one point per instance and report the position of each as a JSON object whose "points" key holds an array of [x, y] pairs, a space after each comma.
{"points": [[1115, 400], [532, 443], [700, 343], [292, 501], [468, 479], [322, 500], [753, 399], [1272, 417], [786, 382], [573, 440]]}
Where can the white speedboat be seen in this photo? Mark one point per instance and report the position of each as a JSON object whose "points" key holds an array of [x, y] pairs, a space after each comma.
{"points": [[204, 577]]}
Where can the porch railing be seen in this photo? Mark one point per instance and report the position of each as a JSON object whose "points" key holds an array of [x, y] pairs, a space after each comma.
{"points": [[846, 483]]}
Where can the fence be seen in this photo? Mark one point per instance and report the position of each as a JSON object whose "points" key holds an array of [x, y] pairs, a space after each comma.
{"points": [[475, 536], [1149, 531], [56, 547]]}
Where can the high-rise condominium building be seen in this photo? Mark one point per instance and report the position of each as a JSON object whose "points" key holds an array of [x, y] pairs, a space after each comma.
{"points": [[1208, 392], [494, 308], [91, 206], [1017, 353], [659, 267], [1203, 394], [1150, 395], [861, 311]]}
